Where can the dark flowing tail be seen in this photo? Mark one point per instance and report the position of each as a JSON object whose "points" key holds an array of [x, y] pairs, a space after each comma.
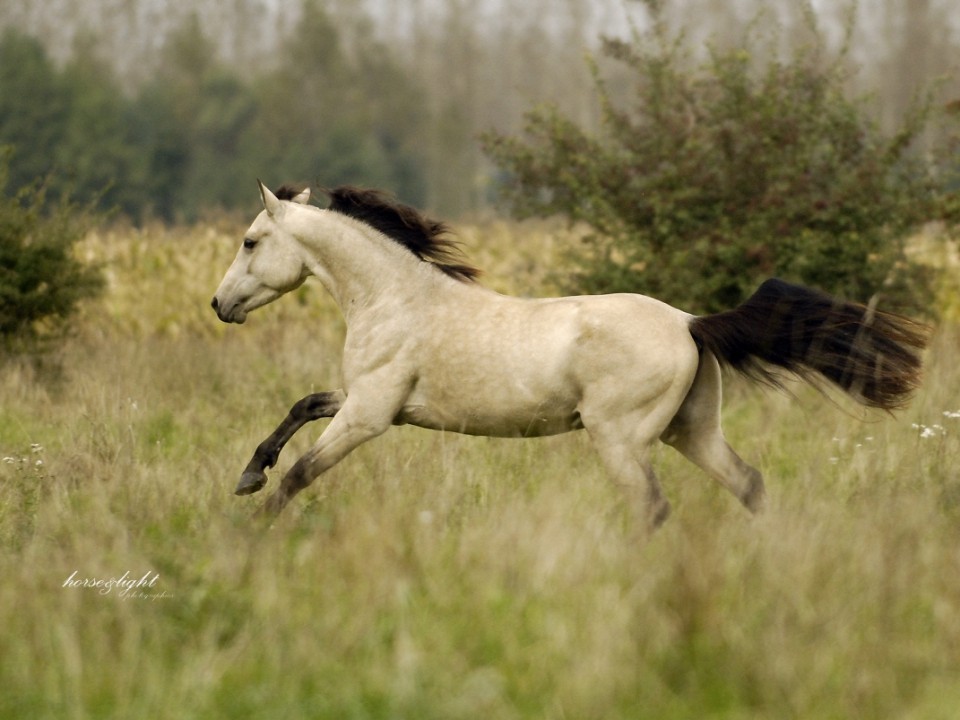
{"points": [[872, 356]]}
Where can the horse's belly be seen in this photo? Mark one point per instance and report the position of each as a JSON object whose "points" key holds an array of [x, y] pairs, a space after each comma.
{"points": [[480, 421]]}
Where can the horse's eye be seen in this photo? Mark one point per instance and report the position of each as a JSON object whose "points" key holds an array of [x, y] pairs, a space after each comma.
{"points": [[249, 243]]}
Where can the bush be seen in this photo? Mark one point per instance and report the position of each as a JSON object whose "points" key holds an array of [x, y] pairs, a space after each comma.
{"points": [[723, 173], [41, 281]]}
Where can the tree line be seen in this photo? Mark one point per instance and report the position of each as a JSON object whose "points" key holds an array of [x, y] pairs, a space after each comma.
{"points": [[188, 138], [167, 109]]}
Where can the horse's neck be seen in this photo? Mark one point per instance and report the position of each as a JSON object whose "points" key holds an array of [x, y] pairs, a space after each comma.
{"points": [[359, 266]]}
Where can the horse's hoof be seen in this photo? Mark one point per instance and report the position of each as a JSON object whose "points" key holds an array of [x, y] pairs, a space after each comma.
{"points": [[250, 482]]}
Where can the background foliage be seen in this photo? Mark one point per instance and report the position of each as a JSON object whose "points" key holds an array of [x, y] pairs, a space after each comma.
{"points": [[721, 173], [185, 139], [177, 105], [41, 280]]}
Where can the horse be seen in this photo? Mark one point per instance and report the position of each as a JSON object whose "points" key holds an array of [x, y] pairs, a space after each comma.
{"points": [[427, 345]]}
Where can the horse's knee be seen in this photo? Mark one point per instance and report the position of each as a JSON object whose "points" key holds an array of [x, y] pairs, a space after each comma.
{"points": [[317, 406]]}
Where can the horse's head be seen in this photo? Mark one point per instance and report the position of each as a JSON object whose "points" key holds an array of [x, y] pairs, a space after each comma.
{"points": [[270, 262]]}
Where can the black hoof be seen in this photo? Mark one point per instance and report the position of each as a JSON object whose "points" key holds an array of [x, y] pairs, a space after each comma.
{"points": [[250, 482]]}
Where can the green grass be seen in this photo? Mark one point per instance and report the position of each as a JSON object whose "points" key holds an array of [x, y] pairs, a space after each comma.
{"points": [[437, 576]]}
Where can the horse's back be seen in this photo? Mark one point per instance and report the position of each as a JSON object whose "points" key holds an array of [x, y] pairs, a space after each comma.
{"points": [[579, 337]]}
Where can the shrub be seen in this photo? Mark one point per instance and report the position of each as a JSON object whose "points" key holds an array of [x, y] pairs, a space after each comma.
{"points": [[41, 281], [724, 172]]}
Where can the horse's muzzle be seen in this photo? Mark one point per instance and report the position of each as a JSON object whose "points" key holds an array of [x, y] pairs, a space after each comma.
{"points": [[227, 315], [215, 304]]}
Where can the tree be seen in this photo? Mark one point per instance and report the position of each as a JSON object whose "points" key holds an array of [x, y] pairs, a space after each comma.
{"points": [[97, 154], [337, 112], [722, 173], [34, 107], [73, 129], [41, 282], [167, 114]]}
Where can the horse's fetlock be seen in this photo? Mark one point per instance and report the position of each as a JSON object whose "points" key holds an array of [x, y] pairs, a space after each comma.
{"points": [[660, 512], [754, 497]]}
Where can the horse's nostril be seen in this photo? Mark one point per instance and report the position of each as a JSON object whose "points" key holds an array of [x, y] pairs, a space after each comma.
{"points": [[214, 304]]}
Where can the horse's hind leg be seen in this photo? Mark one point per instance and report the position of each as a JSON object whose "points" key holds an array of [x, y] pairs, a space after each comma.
{"points": [[625, 446], [695, 431], [709, 450], [312, 407], [632, 471]]}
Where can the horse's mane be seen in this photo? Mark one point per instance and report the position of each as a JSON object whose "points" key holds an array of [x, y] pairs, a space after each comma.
{"points": [[424, 237]]}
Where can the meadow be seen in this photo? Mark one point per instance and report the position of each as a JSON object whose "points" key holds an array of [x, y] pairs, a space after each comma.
{"points": [[431, 575]]}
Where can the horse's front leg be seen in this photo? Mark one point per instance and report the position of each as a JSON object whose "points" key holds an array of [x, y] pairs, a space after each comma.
{"points": [[312, 407], [356, 422]]}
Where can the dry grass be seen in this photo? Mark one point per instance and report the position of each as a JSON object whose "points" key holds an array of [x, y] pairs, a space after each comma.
{"points": [[436, 576]]}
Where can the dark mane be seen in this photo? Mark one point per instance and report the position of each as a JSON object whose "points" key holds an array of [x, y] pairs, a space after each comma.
{"points": [[289, 192], [424, 237]]}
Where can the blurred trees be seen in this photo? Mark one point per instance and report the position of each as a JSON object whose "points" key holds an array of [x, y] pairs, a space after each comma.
{"points": [[193, 136], [179, 105], [33, 106], [187, 103]]}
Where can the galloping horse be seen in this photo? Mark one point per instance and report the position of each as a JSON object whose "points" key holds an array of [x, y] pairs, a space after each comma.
{"points": [[428, 346]]}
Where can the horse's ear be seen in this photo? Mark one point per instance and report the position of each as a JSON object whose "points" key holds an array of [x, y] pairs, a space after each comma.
{"points": [[302, 197], [270, 202]]}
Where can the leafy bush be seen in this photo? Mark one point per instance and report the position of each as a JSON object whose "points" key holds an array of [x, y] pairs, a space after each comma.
{"points": [[41, 281], [725, 172]]}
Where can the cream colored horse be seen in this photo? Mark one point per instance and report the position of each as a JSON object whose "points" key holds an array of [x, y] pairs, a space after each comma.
{"points": [[426, 345]]}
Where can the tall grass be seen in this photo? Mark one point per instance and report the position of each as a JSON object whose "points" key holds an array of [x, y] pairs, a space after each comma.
{"points": [[436, 576]]}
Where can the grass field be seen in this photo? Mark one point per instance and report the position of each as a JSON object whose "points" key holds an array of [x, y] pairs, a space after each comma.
{"points": [[437, 576]]}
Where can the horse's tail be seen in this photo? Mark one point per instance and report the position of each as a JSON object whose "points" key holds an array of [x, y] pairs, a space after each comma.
{"points": [[873, 356]]}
